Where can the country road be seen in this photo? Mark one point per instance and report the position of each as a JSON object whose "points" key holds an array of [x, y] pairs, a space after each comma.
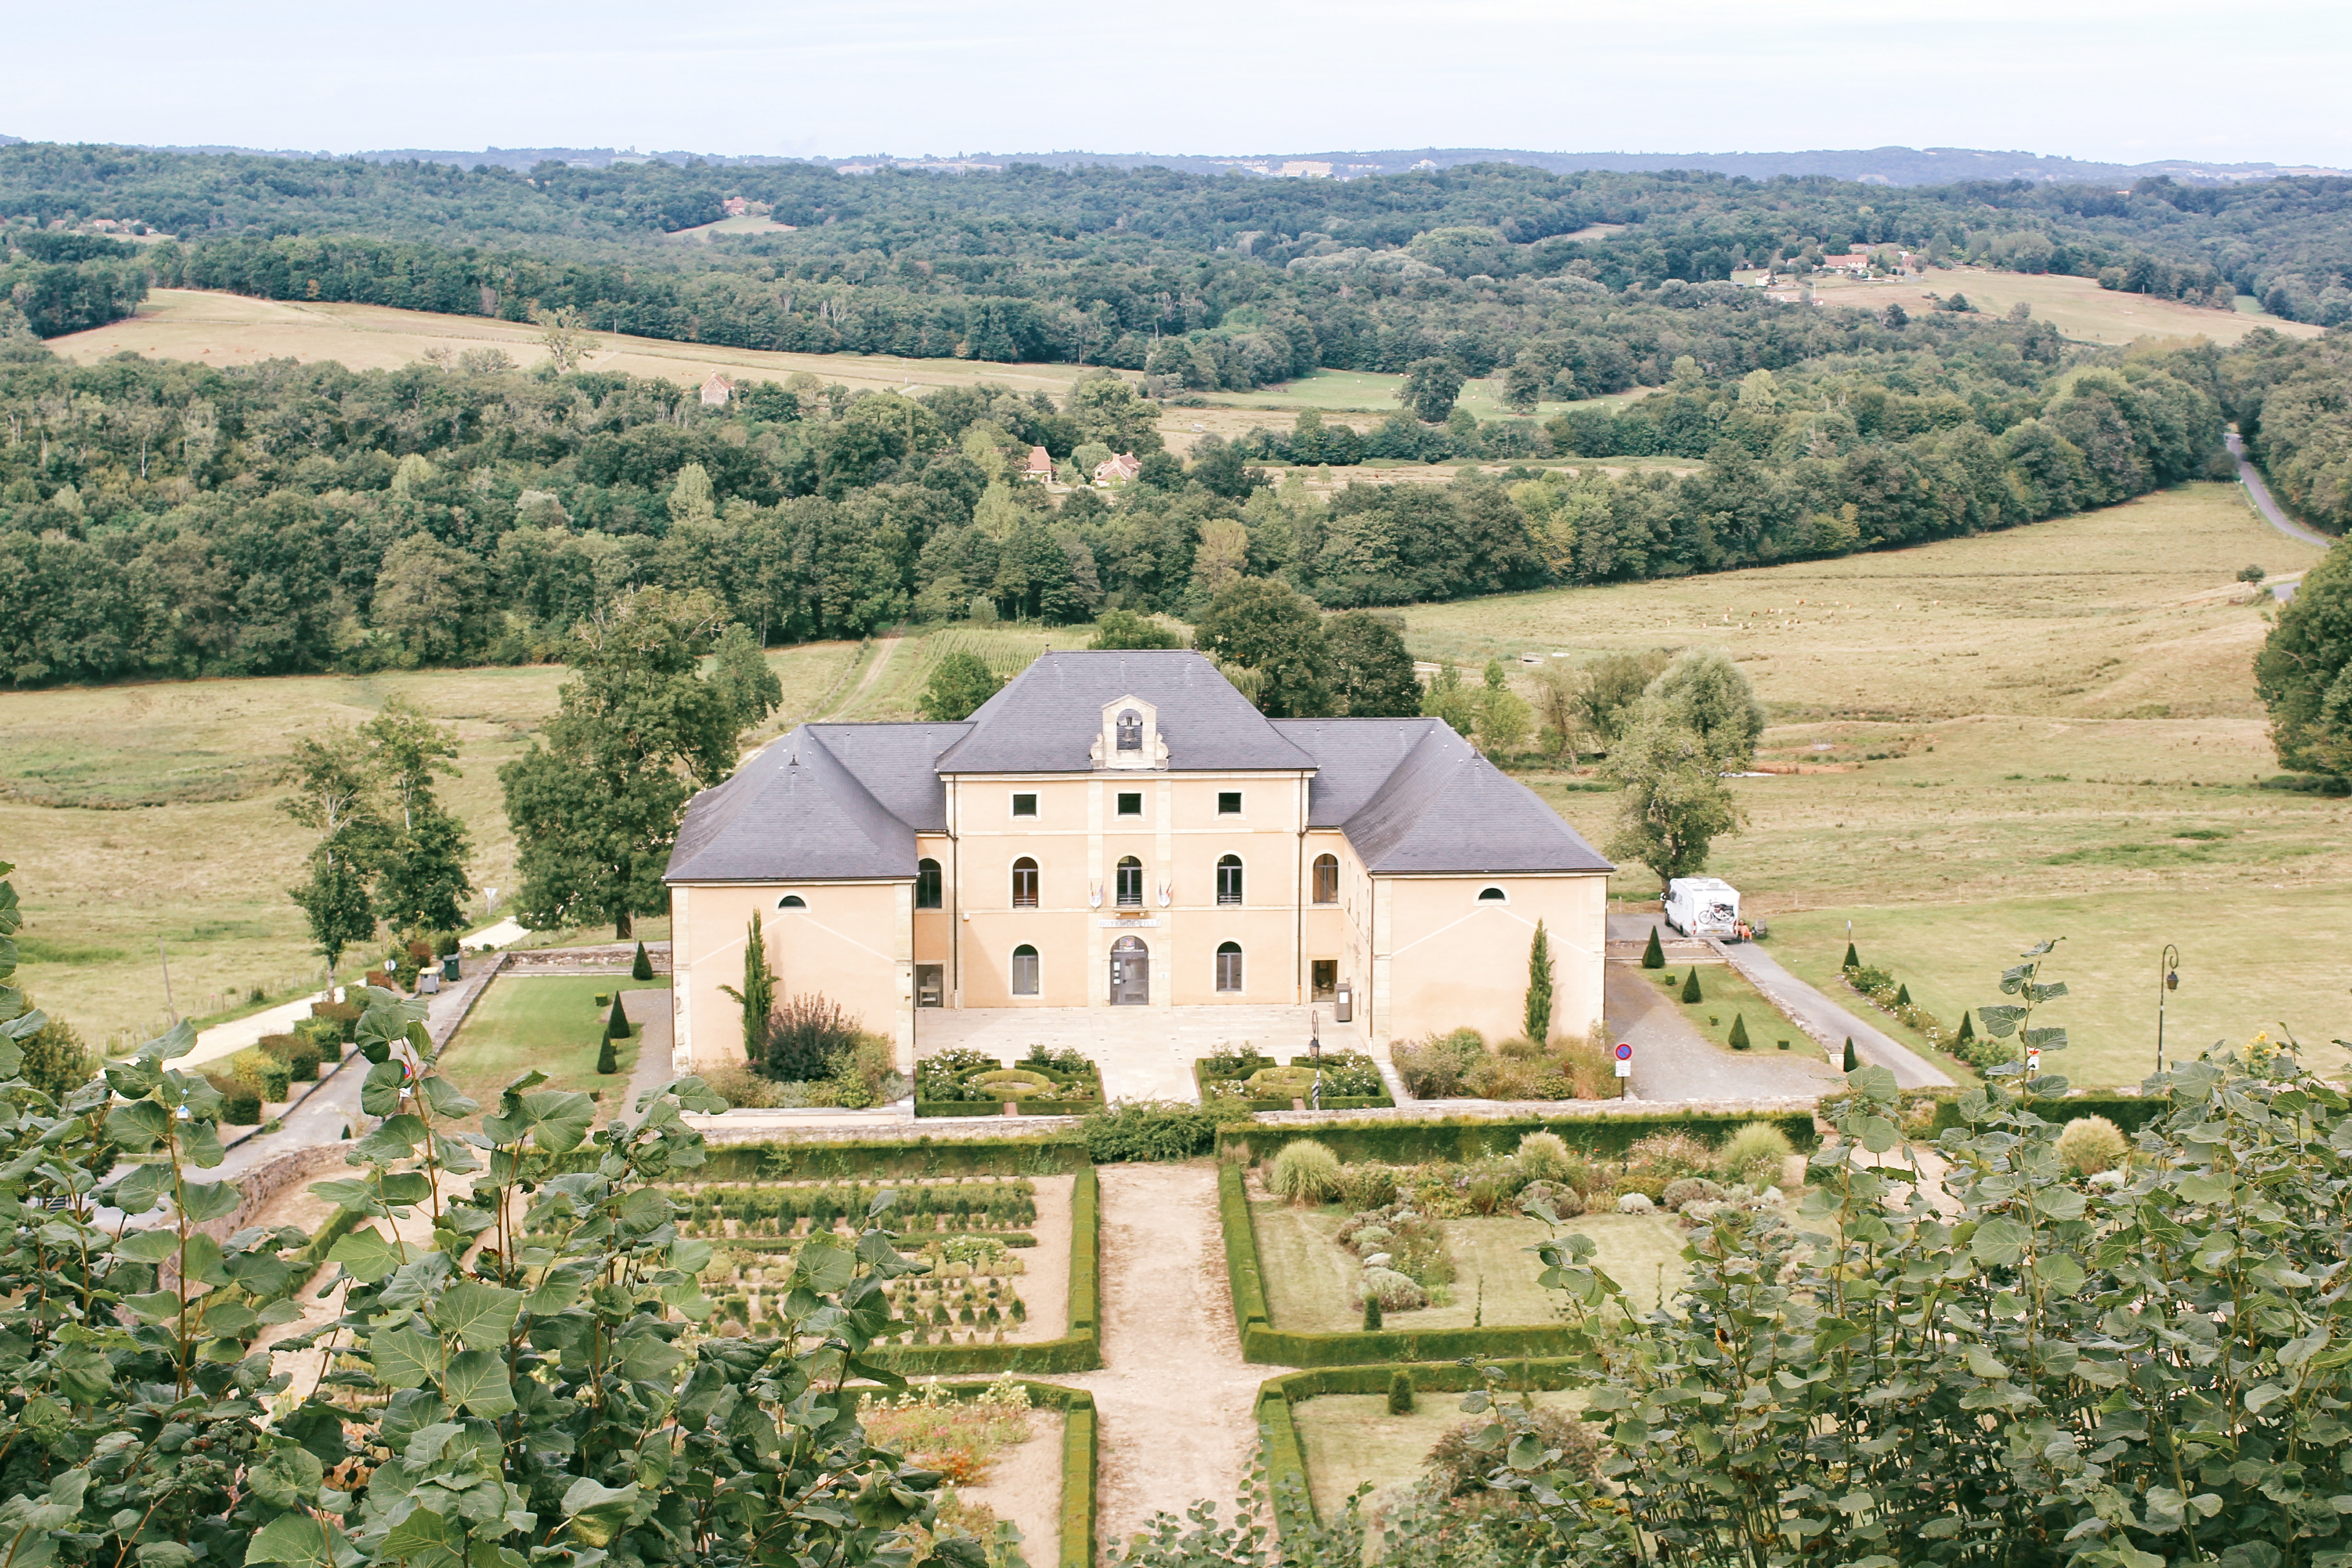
{"points": [[2251, 477]]}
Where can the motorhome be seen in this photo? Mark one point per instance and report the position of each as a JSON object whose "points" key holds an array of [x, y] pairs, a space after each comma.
{"points": [[1703, 906]]}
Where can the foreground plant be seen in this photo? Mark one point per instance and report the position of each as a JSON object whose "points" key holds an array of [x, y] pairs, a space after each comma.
{"points": [[519, 1378]]}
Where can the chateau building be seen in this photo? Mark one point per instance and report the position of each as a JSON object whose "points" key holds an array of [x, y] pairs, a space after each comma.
{"points": [[1125, 829]]}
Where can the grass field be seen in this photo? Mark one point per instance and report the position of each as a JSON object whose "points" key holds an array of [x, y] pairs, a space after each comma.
{"points": [[1726, 996], [141, 812], [1349, 1438], [2051, 731], [550, 1022], [2078, 306], [1311, 1280]]}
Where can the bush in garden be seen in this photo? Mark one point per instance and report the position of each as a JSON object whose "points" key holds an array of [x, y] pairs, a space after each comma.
{"points": [[1514, 1078], [2091, 1144], [945, 1074], [1687, 1190], [1757, 1153], [1236, 1064], [1691, 991], [1149, 1130], [1739, 1031], [616, 1022], [805, 1035], [1853, 959], [1853, 1061], [300, 1057], [1668, 1154], [56, 1061], [1635, 1202], [1353, 1075], [271, 1076], [642, 968], [608, 1060], [1304, 1172], [1433, 1068], [1461, 1462], [1395, 1292], [1654, 956], [1367, 1186], [1588, 1066], [240, 1103], [1373, 1314], [1401, 1392], [1543, 1156], [1564, 1201]]}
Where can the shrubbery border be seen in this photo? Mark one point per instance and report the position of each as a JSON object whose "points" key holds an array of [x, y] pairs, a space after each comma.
{"points": [[1285, 1455], [1080, 1347], [2128, 1112], [1464, 1138], [1045, 1154], [1267, 1345], [1331, 1102]]}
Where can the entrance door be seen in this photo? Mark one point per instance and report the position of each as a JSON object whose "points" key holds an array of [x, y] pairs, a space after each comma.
{"points": [[1131, 973]]}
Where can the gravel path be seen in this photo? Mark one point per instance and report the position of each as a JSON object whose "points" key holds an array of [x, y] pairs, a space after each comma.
{"points": [[1177, 1400], [2274, 514], [1673, 1061]]}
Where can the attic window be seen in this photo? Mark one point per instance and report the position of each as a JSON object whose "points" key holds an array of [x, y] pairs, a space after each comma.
{"points": [[1492, 896], [1130, 731], [1025, 805], [791, 901]]}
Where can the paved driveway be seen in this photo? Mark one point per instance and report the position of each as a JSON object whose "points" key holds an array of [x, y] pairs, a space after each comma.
{"points": [[1673, 1061]]}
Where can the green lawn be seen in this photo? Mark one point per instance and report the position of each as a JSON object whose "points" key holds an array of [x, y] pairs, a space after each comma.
{"points": [[1311, 1279], [548, 1022], [1351, 1437], [1725, 995], [1355, 391]]}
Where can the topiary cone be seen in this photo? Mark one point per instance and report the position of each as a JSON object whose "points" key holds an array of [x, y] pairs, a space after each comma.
{"points": [[643, 969], [1401, 1392], [1852, 1060], [1654, 956], [1691, 993], [1903, 995], [1371, 1313], [616, 1024], [1968, 1029], [1853, 959], [606, 1060], [1739, 1031]]}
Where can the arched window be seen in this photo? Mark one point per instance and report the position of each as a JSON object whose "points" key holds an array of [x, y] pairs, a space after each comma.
{"points": [[1130, 882], [1229, 879], [927, 884], [1326, 878], [791, 901], [1130, 731], [1229, 966], [1025, 970], [1025, 883], [1492, 896]]}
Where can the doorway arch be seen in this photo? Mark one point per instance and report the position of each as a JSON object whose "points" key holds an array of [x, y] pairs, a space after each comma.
{"points": [[1131, 973]]}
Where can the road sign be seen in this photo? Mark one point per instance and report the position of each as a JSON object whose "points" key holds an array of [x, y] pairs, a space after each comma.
{"points": [[1624, 1060], [2033, 1061]]}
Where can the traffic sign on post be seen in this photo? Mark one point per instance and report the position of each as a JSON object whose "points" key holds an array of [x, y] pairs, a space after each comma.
{"points": [[1624, 1060]]}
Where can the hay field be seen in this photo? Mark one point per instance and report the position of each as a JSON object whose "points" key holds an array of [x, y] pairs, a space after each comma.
{"points": [[2051, 731], [2078, 306], [135, 813], [229, 329]]}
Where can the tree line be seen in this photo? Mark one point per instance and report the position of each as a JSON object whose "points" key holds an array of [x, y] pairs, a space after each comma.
{"points": [[165, 518]]}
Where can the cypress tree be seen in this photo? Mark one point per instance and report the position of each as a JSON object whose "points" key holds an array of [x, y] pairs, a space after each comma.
{"points": [[1401, 1392], [1968, 1029], [1371, 1313], [1691, 993], [616, 1024], [1654, 956], [1853, 959], [757, 996], [1852, 1059], [1539, 1018], [606, 1060], [643, 969], [1739, 1031]]}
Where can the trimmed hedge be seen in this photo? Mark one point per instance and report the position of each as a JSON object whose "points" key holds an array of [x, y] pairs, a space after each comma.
{"points": [[1081, 1451], [1201, 1081], [971, 1107], [1463, 1139], [1265, 1344], [1042, 1154], [2128, 1112], [1080, 1347], [1294, 1498]]}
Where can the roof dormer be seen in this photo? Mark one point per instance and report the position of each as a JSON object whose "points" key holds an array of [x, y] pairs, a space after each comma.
{"points": [[1130, 735]]}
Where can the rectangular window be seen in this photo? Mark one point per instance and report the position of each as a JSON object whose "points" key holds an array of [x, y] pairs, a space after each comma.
{"points": [[1131, 803], [1229, 803], [1324, 975], [1025, 805]]}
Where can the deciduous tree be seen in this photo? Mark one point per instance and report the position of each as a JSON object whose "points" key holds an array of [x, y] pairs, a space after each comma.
{"points": [[959, 683], [332, 780], [1270, 628], [1371, 672], [1674, 803]]}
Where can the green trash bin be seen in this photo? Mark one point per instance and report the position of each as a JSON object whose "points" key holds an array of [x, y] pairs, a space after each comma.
{"points": [[449, 968]]}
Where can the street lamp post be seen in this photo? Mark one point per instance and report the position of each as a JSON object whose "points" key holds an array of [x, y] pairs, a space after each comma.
{"points": [[2167, 979], [1314, 1054]]}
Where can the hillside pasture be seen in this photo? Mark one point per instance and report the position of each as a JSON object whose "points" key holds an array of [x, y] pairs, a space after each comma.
{"points": [[141, 812], [2049, 732], [2078, 306]]}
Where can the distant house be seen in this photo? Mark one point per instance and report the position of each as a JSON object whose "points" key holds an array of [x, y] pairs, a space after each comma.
{"points": [[716, 391], [1856, 263], [1118, 471], [736, 207], [1040, 466]]}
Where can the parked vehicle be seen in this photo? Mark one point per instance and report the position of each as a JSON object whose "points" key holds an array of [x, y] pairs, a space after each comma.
{"points": [[1703, 906]]}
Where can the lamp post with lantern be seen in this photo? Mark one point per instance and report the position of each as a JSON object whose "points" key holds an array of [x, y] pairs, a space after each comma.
{"points": [[2167, 966]]}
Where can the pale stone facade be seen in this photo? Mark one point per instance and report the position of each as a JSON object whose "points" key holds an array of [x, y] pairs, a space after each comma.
{"points": [[1125, 830]]}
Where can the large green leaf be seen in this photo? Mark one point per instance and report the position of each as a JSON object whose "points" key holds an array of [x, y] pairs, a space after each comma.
{"points": [[405, 1358], [477, 1381], [480, 1315], [297, 1538], [366, 1255], [560, 1122], [597, 1513]]}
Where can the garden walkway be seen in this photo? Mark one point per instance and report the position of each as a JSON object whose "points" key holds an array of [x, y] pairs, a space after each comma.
{"points": [[1178, 1404], [1674, 1062], [1829, 1023]]}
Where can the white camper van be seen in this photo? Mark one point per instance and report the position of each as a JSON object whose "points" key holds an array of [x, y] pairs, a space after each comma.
{"points": [[1703, 906]]}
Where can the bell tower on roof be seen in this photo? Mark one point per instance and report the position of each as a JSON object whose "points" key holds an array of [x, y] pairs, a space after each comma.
{"points": [[1131, 738]]}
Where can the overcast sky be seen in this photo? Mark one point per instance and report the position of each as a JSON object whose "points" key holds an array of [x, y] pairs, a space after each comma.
{"points": [[2091, 78]]}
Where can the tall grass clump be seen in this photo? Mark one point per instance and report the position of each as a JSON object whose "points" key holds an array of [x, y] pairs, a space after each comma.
{"points": [[1754, 1153], [1304, 1172], [2091, 1144]]}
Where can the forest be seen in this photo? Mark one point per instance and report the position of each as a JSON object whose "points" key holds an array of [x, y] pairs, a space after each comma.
{"points": [[158, 517]]}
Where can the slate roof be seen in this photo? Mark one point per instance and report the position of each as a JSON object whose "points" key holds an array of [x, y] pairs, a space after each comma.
{"points": [[1047, 718], [1411, 796], [844, 802]]}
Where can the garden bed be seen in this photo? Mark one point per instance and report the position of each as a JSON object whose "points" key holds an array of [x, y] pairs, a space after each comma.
{"points": [[552, 1023], [1348, 1438], [1351, 1080], [1036, 1469], [1043, 1083], [1727, 1000]]}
